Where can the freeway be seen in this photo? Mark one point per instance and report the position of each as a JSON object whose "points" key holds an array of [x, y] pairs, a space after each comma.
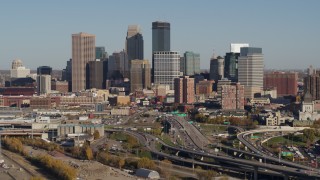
{"points": [[260, 167], [242, 138]]}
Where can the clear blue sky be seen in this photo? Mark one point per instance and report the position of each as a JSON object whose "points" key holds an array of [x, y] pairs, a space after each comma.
{"points": [[39, 32]]}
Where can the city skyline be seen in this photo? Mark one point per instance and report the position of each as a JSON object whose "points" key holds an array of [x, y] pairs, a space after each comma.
{"points": [[288, 38]]}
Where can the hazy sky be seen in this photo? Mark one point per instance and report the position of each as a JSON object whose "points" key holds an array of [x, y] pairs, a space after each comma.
{"points": [[39, 32]]}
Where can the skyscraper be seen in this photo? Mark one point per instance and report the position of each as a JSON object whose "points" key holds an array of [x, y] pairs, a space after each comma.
{"points": [[94, 74], [118, 65], [230, 66], [216, 68], [44, 79], [232, 96], [134, 43], [160, 36], [166, 67], [67, 74], [101, 53], [83, 51], [250, 70], [191, 63], [140, 75], [312, 85], [236, 47]]}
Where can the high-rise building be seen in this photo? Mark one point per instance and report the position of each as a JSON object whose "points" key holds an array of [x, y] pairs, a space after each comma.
{"points": [[43, 84], [118, 65], [166, 67], [184, 90], [286, 83], [83, 51], [101, 53], [160, 36], [44, 70], [250, 70], [191, 64], [18, 70], [140, 75], [134, 43], [230, 66], [312, 85], [232, 96], [67, 74], [94, 74], [44, 79], [216, 68], [236, 47]]}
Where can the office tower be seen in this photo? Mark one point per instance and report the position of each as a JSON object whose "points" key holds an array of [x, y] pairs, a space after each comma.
{"points": [[236, 47], [160, 36], [312, 85], [44, 79], [134, 43], [191, 63], [44, 70], [230, 66], [94, 72], [166, 67], [18, 70], [182, 65], [286, 83], [216, 68], [83, 51], [60, 86], [250, 70], [184, 90], [232, 96], [67, 74], [140, 75], [43, 84], [118, 65], [101, 53]]}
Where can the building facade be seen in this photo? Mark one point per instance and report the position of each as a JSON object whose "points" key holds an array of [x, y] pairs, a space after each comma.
{"points": [[160, 36], [250, 70], [191, 63], [18, 70], [44, 84], [231, 66], [204, 87], [83, 51], [232, 96], [216, 68], [134, 43], [312, 84], [184, 90], [166, 67], [94, 72], [286, 83], [101, 53], [140, 75]]}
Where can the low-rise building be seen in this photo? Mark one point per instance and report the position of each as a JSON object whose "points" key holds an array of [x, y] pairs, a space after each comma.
{"points": [[120, 112]]}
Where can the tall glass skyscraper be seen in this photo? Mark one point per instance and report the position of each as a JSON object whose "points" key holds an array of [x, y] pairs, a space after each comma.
{"points": [[191, 63], [134, 43], [160, 36], [230, 66]]}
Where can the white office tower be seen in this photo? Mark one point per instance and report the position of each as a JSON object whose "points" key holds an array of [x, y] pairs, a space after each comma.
{"points": [[18, 70], [44, 84], [235, 47], [166, 67], [250, 70]]}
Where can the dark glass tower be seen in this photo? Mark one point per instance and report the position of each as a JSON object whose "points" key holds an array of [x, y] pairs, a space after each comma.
{"points": [[230, 66], [44, 70], [134, 43], [160, 36]]}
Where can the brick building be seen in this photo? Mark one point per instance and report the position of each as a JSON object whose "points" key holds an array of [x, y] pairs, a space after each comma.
{"points": [[284, 82], [232, 96]]}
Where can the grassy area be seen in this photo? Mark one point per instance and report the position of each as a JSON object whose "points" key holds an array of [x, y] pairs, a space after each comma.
{"points": [[284, 140], [118, 136], [166, 139], [208, 129]]}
